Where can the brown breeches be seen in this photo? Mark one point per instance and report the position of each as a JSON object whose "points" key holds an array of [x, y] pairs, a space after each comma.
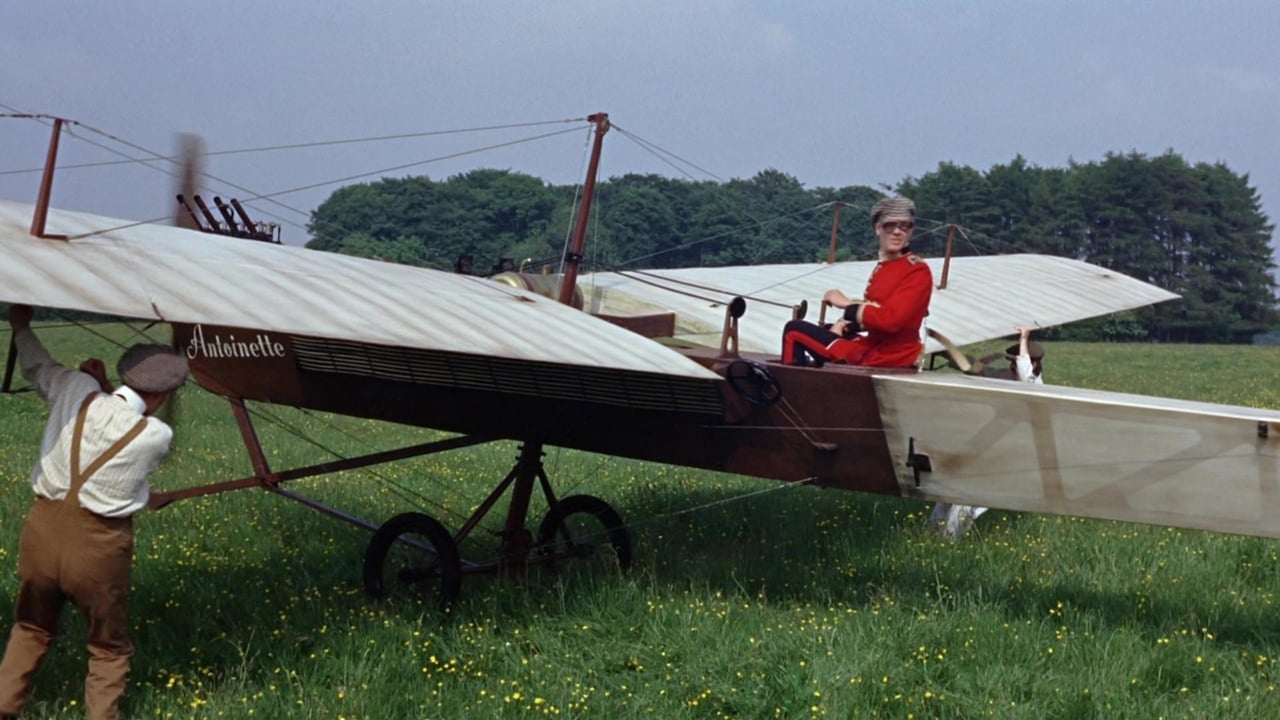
{"points": [[69, 553]]}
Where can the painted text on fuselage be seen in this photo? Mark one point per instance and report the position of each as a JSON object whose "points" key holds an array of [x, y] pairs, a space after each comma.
{"points": [[261, 346]]}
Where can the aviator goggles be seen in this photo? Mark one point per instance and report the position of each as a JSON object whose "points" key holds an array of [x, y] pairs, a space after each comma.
{"points": [[905, 226]]}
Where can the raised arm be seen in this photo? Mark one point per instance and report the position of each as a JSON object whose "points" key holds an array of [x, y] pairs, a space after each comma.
{"points": [[1024, 332], [38, 366]]}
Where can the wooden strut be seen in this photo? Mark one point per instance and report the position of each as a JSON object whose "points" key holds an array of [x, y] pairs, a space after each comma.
{"points": [[517, 541], [266, 479], [574, 258], [835, 234], [38, 220], [46, 185], [946, 260]]}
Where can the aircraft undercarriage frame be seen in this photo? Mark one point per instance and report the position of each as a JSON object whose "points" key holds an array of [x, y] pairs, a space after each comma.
{"points": [[415, 549]]}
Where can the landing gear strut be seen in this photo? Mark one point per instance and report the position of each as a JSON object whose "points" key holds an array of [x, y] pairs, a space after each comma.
{"points": [[414, 552]]}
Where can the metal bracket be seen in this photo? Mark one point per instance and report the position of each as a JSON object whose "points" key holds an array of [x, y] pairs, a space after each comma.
{"points": [[918, 462], [729, 335], [12, 362]]}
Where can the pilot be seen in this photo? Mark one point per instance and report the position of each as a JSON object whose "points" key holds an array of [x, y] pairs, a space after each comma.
{"points": [[882, 329], [1025, 358], [99, 446]]}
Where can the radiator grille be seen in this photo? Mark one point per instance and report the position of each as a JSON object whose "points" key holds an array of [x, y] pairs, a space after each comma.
{"points": [[604, 386]]}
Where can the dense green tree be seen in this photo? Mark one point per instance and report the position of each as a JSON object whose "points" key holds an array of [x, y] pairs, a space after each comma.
{"points": [[637, 223], [1196, 230], [781, 217], [402, 250], [715, 225], [954, 195], [483, 213], [855, 239]]}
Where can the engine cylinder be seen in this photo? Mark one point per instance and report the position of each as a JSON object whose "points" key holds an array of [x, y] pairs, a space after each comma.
{"points": [[546, 285]]}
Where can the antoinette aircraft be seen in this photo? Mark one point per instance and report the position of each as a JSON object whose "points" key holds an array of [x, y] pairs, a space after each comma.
{"points": [[490, 361]]}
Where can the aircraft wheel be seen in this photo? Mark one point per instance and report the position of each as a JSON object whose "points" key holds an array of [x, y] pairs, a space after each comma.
{"points": [[586, 528], [412, 553]]}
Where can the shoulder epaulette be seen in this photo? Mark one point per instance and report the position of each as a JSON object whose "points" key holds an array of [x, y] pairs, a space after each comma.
{"points": [[914, 259]]}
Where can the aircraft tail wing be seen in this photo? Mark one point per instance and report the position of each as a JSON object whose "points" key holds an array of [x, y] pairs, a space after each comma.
{"points": [[1070, 451]]}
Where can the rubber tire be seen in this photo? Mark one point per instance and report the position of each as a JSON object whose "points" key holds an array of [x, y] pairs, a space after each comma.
{"points": [[552, 530], [448, 565]]}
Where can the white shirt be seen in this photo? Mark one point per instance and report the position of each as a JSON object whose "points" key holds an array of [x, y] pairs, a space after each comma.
{"points": [[1025, 371], [118, 488]]}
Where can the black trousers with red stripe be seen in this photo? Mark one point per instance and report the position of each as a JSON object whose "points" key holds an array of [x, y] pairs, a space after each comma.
{"points": [[802, 340]]}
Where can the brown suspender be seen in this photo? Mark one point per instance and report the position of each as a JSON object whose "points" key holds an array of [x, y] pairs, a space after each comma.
{"points": [[78, 478]]}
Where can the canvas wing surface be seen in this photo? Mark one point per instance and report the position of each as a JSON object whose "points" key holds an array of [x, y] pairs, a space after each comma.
{"points": [[984, 298], [163, 273], [1087, 453]]}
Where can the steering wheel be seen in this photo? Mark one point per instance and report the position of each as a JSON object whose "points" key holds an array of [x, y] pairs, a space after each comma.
{"points": [[754, 382]]}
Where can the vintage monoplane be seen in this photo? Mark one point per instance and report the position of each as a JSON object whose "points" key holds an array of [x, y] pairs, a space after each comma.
{"points": [[487, 361]]}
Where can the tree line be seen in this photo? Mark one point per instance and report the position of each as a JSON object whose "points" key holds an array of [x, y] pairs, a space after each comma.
{"points": [[1195, 229]]}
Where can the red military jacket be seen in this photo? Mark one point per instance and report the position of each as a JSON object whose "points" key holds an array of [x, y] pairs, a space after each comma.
{"points": [[902, 287]]}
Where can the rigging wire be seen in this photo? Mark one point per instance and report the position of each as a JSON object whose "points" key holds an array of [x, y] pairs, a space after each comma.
{"points": [[270, 197], [740, 228], [417, 163], [402, 491], [649, 520], [156, 157], [656, 280], [145, 162], [577, 199], [664, 155], [293, 146]]}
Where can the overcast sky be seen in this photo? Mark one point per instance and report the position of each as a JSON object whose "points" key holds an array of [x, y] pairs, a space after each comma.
{"points": [[833, 93]]}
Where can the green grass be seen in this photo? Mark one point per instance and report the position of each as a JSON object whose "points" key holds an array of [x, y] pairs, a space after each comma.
{"points": [[747, 599]]}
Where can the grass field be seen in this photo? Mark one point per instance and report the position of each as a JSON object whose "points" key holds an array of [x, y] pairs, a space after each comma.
{"points": [[747, 598]]}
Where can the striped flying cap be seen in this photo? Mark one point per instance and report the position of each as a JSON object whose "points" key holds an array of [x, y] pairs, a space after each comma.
{"points": [[893, 207]]}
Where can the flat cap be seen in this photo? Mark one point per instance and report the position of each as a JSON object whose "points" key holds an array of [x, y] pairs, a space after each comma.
{"points": [[152, 368], [1034, 351]]}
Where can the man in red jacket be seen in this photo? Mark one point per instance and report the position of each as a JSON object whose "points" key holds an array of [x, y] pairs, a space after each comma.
{"points": [[882, 329]]}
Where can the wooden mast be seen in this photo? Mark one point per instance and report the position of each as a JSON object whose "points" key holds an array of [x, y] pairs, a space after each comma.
{"points": [[946, 261], [573, 258], [46, 184], [835, 234], [37, 229]]}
